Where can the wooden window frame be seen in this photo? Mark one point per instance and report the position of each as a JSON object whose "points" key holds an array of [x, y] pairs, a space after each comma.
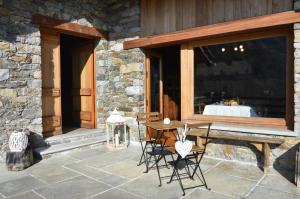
{"points": [[187, 80]]}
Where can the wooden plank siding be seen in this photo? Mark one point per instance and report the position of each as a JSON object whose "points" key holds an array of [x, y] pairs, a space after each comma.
{"points": [[163, 16]]}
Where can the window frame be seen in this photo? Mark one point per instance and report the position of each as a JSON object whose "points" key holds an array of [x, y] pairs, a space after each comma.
{"points": [[187, 80]]}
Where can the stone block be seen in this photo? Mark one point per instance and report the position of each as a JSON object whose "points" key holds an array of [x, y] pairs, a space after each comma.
{"points": [[297, 65], [4, 74], [36, 59], [134, 90], [21, 58], [297, 26], [37, 74], [17, 161], [8, 92], [297, 36], [34, 83], [4, 46], [133, 67]]}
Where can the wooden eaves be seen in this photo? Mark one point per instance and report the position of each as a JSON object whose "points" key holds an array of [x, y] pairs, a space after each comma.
{"points": [[68, 27], [237, 26]]}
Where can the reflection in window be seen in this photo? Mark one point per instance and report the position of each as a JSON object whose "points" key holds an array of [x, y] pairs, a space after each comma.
{"points": [[243, 79]]}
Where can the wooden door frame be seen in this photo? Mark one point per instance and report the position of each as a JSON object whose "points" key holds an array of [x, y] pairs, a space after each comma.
{"points": [[150, 53], [93, 39]]}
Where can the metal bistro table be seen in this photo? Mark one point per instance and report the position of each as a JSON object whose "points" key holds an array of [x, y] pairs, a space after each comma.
{"points": [[161, 128]]}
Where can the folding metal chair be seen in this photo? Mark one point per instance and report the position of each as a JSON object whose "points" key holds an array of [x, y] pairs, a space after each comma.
{"points": [[147, 140], [191, 162]]}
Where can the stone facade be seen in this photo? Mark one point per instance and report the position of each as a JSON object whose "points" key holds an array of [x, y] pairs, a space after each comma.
{"points": [[20, 59], [120, 81], [297, 78], [120, 74]]}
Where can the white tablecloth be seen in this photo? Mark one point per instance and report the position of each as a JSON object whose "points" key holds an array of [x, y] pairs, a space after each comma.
{"points": [[236, 111]]}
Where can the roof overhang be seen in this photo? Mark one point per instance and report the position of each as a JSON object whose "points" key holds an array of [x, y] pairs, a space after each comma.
{"points": [[68, 27], [220, 29]]}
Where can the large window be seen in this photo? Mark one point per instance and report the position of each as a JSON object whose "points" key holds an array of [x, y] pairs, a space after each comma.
{"points": [[243, 79]]}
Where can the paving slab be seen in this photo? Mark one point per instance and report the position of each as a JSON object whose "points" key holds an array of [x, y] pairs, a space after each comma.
{"points": [[113, 180], [107, 159], [103, 176], [280, 183], [26, 195], [86, 170], [126, 168], [76, 188], [116, 193], [147, 187], [6, 175], [84, 154], [19, 185], [201, 193], [53, 174], [221, 180], [266, 193], [208, 163], [241, 170]]}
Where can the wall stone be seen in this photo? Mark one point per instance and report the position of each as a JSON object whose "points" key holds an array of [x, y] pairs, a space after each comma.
{"points": [[297, 78]]}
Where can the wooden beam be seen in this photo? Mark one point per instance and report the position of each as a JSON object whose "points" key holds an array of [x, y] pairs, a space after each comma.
{"points": [[68, 28], [220, 29]]}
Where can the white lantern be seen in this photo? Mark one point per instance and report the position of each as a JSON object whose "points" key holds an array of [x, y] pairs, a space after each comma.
{"points": [[116, 120], [18, 141]]}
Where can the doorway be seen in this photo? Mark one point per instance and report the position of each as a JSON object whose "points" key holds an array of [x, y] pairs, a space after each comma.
{"points": [[68, 100], [163, 81]]}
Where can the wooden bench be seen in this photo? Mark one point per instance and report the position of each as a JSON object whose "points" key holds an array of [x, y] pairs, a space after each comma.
{"points": [[262, 143]]}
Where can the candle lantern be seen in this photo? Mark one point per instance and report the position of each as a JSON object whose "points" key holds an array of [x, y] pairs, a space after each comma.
{"points": [[116, 134]]}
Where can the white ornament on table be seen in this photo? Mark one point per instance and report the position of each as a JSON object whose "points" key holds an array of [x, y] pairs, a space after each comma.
{"points": [[167, 121]]}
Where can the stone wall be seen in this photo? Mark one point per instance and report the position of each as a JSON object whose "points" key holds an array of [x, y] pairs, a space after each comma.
{"points": [[119, 73], [297, 78], [120, 82]]}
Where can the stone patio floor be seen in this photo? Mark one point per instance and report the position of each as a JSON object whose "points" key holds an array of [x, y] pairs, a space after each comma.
{"points": [[102, 173]]}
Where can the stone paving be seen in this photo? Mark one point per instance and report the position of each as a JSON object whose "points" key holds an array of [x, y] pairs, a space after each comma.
{"points": [[102, 173]]}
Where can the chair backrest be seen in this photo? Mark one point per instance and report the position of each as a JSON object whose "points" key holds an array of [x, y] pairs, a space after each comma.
{"points": [[144, 118], [202, 130]]}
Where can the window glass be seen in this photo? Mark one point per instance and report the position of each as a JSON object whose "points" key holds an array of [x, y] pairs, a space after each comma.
{"points": [[242, 79]]}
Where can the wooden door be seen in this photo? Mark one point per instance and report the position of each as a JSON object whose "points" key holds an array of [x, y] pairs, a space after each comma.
{"points": [[83, 85], [154, 83], [51, 85]]}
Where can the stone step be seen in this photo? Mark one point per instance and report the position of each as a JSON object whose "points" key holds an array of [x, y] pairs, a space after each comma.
{"points": [[48, 151], [75, 135]]}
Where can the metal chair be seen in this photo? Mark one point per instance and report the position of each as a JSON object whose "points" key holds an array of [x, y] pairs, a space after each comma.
{"points": [[191, 163], [148, 139]]}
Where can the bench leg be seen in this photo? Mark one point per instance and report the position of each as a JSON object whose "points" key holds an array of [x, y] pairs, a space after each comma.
{"points": [[267, 157]]}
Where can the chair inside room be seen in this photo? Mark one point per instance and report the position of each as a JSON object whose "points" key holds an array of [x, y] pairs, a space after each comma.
{"points": [[188, 167]]}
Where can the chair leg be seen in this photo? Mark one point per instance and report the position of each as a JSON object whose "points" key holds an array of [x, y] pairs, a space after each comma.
{"points": [[201, 173], [178, 177], [188, 169], [142, 159], [173, 174], [147, 160], [157, 168]]}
